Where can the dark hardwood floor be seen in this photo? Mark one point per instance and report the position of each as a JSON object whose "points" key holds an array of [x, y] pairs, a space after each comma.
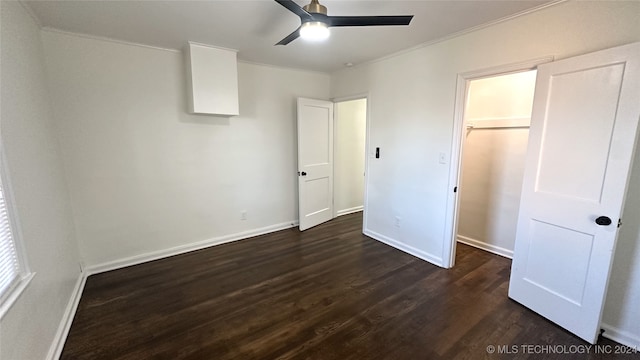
{"points": [[327, 293]]}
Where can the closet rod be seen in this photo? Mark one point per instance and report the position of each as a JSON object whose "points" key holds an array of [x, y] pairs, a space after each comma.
{"points": [[471, 127]]}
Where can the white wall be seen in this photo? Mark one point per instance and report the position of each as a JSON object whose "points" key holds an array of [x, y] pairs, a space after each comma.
{"points": [[145, 177], [349, 143], [622, 310], [500, 97], [493, 168], [411, 103], [493, 161], [28, 330]]}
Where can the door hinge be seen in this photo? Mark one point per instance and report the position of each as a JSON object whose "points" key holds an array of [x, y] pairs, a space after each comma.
{"points": [[619, 222], [455, 189]]}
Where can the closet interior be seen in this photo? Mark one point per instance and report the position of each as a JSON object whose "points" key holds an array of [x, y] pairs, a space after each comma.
{"points": [[497, 116]]}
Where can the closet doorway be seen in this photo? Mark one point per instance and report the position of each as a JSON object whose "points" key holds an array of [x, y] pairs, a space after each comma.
{"points": [[497, 115]]}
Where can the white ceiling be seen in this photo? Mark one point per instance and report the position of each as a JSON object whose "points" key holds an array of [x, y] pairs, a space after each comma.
{"points": [[253, 27]]}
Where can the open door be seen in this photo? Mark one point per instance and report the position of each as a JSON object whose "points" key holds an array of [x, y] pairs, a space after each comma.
{"points": [[315, 162], [581, 144]]}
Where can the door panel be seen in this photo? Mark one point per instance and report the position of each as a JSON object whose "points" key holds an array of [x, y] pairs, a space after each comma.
{"points": [[581, 143], [576, 101], [315, 162], [320, 188], [567, 279], [316, 135]]}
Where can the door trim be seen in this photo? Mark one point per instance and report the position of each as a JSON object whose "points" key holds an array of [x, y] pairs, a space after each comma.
{"points": [[457, 143], [365, 196]]}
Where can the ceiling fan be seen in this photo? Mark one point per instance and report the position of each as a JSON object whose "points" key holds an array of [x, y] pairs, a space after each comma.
{"points": [[315, 22]]}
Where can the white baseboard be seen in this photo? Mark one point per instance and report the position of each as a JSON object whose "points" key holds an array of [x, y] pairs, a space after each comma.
{"points": [[404, 247], [486, 247], [621, 336], [160, 254], [67, 319], [349, 210]]}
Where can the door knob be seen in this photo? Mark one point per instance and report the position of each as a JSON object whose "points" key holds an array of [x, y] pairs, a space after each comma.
{"points": [[305, 174], [603, 221]]}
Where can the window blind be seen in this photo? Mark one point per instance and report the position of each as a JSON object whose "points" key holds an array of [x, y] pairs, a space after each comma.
{"points": [[9, 267]]}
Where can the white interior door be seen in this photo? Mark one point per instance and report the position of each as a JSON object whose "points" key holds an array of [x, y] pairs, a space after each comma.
{"points": [[581, 143], [315, 162]]}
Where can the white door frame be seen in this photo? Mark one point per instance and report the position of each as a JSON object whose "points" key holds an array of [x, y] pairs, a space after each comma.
{"points": [[366, 148], [457, 144]]}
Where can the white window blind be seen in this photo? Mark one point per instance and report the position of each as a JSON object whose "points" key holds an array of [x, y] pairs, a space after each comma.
{"points": [[9, 266]]}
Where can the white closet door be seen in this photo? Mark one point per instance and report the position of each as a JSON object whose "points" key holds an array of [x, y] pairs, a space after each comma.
{"points": [[581, 143]]}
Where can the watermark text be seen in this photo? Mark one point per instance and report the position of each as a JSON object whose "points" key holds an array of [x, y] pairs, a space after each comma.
{"points": [[560, 349]]}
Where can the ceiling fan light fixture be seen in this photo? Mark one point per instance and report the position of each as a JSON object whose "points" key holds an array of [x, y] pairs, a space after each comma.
{"points": [[315, 22], [314, 31]]}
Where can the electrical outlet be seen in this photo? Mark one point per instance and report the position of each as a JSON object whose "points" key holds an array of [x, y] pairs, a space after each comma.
{"points": [[442, 158], [397, 221], [243, 215]]}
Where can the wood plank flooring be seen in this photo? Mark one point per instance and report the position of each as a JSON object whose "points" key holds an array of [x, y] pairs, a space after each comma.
{"points": [[327, 293]]}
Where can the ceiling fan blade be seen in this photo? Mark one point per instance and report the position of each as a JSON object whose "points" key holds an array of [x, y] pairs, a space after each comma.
{"points": [[294, 35], [369, 20], [295, 8]]}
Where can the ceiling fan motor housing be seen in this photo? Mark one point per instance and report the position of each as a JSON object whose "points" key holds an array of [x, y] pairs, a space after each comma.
{"points": [[315, 8]]}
